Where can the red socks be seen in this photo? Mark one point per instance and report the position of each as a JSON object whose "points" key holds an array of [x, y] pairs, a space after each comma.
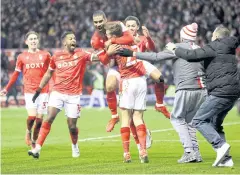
{"points": [[37, 127], [74, 135], [44, 131], [134, 132], [141, 133], [159, 92], [125, 134], [30, 122], [112, 102]]}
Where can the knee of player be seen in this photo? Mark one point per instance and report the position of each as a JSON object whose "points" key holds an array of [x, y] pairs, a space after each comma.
{"points": [[110, 87], [73, 129]]}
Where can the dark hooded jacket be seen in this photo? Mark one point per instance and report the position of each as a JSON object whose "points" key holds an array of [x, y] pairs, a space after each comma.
{"points": [[220, 63]]}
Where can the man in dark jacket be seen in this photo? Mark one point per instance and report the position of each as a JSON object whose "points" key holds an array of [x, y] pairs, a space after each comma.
{"points": [[223, 85]]}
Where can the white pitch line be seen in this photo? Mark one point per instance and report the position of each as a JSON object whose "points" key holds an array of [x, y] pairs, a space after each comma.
{"points": [[114, 140], [153, 131]]}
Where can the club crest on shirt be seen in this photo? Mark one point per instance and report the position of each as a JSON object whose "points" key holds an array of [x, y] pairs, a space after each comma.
{"points": [[75, 56], [101, 41], [40, 57], [61, 57]]}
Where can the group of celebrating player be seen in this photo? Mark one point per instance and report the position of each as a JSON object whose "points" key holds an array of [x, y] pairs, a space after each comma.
{"points": [[118, 46], [68, 67]]}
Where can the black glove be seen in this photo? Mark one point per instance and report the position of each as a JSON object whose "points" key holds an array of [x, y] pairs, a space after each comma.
{"points": [[125, 52], [37, 93]]}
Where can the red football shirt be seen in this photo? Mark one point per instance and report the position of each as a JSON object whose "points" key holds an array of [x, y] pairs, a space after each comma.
{"points": [[69, 71], [33, 66], [130, 67]]}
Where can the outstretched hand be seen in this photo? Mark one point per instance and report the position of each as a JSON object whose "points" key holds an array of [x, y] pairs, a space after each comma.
{"points": [[113, 49]]}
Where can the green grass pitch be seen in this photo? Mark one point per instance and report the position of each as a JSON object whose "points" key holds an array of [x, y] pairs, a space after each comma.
{"points": [[101, 153]]}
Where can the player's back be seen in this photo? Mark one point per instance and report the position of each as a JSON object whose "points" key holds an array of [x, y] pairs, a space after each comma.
{"points": [[69, 71], [130, 67], [33, 65]]}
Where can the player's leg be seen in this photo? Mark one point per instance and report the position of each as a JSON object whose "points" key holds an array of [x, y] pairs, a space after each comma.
{"points": [[156, 75], [32, 113], [126, 102], [111, 85], [178, 120], [134, 132], [42, 105], [73, 130], [139, 107], [56, 102], [73, 111], [141, 133], [125, 134]]}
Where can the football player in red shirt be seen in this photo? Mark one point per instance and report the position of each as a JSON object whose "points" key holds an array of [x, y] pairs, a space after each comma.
{"points": [[145, 43], [132, 94], [33, 63], [99, 41], [69, 66]]}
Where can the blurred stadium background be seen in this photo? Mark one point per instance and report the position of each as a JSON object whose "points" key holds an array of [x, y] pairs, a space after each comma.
{"points": [[163, 18]]}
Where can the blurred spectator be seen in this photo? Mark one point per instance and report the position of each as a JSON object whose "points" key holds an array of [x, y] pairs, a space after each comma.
{"points": [[98, 89], [163, 18]]}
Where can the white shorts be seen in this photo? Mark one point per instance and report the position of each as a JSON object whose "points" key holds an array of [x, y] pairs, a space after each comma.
{"points": [[71, 103], [40, 104], [148, 67], [114, 72], [133, 93]]}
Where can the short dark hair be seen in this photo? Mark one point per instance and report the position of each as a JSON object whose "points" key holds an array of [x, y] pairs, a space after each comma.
{"points": [[31, 32], [134, 18], [99, 13], [222, 31], [115, 28], [65, 34]]}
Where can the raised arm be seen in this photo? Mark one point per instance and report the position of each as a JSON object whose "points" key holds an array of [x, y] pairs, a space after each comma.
{"points": [[196, 55]]}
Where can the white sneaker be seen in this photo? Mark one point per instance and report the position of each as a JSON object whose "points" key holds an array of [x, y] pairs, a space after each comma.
{"points": [[221, 153], [227, 163], [148, 139], [75, 150]]}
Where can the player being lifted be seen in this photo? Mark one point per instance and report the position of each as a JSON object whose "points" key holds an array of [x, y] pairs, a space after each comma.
{"points": [[133, 89], [33, 64], [69, 66], [98, 42]]}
